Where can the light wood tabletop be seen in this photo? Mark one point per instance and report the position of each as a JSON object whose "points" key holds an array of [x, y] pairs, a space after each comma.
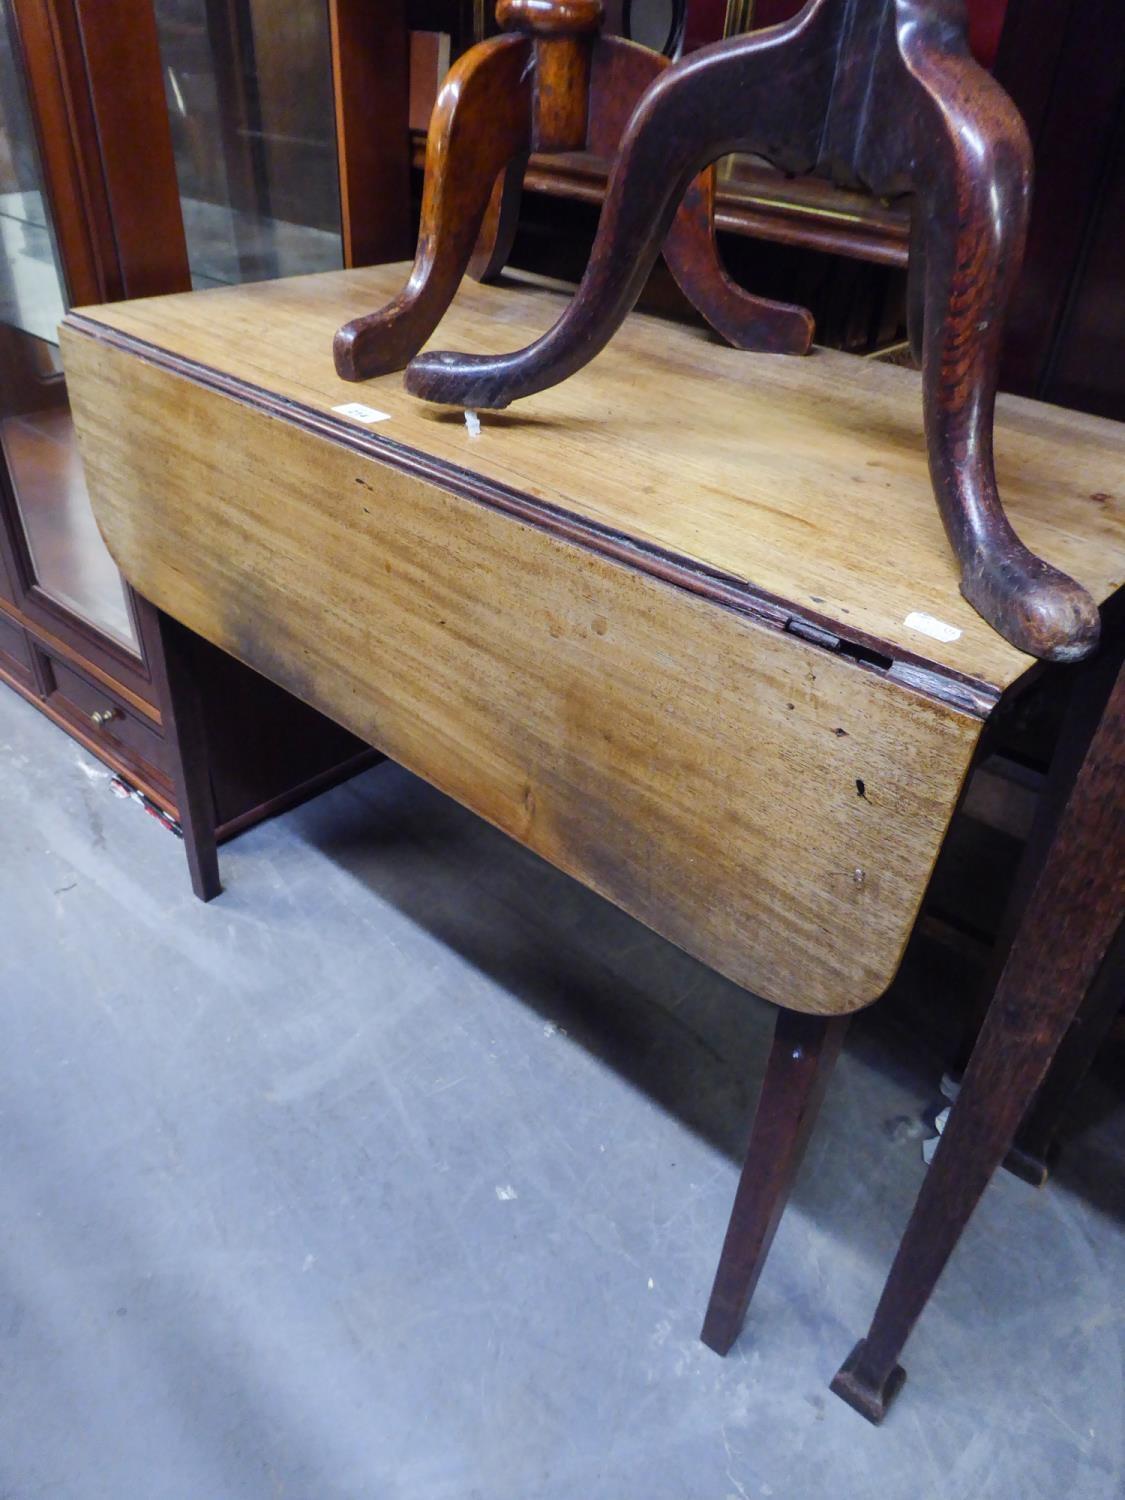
{"points": [[686, 625], [803, 477]]}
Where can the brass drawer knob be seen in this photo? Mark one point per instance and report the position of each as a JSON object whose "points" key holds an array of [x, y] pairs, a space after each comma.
{"points": [[103, 716]]}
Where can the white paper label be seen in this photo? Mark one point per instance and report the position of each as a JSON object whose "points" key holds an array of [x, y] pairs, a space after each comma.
{"points": [[362, 413], [938, 629]]}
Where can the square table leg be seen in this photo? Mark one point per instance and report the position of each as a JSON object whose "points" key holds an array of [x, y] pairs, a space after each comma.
{"points": [[1073, 915], [183, 726], [800, 1064]]}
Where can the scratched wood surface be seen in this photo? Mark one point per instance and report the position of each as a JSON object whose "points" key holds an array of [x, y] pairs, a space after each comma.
{"points": [[806, 477], [771, 806]]}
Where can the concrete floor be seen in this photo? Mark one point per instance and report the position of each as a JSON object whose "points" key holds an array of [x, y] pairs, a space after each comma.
{"points": [[401, 1172]]}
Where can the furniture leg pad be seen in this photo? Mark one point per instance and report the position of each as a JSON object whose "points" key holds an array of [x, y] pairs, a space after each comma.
{"points": [[871, 1401]]}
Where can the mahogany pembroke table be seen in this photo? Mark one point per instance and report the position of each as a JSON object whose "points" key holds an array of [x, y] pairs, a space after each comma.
{"points": [[686, 625]]}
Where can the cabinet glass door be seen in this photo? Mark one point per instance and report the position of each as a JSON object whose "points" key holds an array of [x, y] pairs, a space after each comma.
{"points": [[249, 91], [64, 554]]}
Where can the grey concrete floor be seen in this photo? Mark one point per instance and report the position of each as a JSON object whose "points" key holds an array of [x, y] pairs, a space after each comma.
{"points": [[401, 1171]]}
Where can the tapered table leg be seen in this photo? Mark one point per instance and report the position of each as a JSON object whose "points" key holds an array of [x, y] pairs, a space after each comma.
{"points": [[1034, 1149], [800, 1065], [183, 725], [1073, 915]]}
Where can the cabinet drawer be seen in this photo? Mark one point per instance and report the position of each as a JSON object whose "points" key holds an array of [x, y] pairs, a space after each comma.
{"points": [[103, 719]]}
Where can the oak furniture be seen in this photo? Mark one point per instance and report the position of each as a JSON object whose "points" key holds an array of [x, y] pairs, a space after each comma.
{"points": [[683, 625]]}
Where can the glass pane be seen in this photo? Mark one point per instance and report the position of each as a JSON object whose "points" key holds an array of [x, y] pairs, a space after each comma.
{"points": [[68, 557], [249, 89]]}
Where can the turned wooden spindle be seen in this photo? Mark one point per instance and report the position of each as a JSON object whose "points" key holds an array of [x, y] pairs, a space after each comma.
{"points": [[876, 93], [552, 81], [562, 34]]}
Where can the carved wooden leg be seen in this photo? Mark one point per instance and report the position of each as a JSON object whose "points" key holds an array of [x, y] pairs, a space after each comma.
{"points": [[746, 321], [1074, 913], [973, 205], [621, 72], [183, 726], [801, 1059], [481, 121], [691, 115], [501, 220]]}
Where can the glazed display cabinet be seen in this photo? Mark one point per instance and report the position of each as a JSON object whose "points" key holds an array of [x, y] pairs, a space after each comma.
{"points": [[146, 149]]}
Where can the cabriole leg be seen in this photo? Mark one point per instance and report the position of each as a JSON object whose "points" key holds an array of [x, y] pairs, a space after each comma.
{"points": [[620, 74], [482, 120], [691, 115], [972, 223]]}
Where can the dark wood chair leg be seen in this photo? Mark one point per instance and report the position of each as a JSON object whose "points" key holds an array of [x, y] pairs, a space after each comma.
{"points": [[183, 724], [1074, 914], [687, 118], [800, 1064], [482, 120], [974, 203]]}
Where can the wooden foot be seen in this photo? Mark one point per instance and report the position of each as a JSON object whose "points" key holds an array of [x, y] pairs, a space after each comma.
{"points": [[183, 726], [1074, 913], [684, 121], [975, 205], [870, 1401], [801, 1059], [481, 121]]}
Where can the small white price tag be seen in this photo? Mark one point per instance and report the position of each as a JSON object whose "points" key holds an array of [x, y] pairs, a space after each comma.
{"points": [[362, 413], [928, 625]]}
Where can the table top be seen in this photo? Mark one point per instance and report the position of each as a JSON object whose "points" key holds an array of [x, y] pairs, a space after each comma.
{"points": [[796, 480]]}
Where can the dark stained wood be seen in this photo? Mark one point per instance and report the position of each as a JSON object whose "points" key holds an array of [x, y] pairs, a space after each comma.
{"points": [[182, 710], [1072, 918], [562, 33], [755, 201], [1033, 1152], [65, 132], [102, 127], [1064, 65], [621, 73], [803, 1054], [550, 84], [884, 93], [95, 87], [371, 81], [121, 58], [501, 221]]}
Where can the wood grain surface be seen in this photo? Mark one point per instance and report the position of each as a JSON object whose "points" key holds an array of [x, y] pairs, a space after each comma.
{"points": [[804, 478], [770, 805]]}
